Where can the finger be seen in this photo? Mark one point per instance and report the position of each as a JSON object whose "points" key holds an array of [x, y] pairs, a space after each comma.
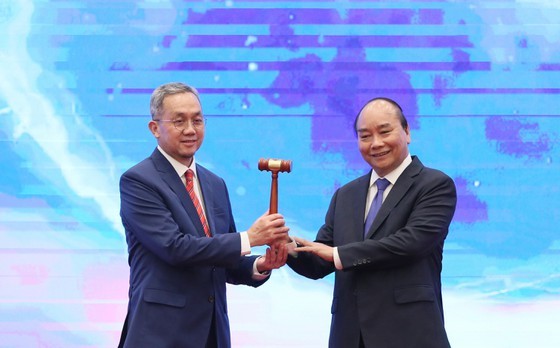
{"points": [[276, 256], [279, 250], [283, 254], [269, 255], [281, 231], [277, 218], [282, 251], [280, 260], [302, 241], [278, 222], [305, 249]]}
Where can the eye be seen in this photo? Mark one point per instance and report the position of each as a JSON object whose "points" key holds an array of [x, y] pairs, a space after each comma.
{"points": [[198, 122], [178, 122], [365, 136], [385, 131]]}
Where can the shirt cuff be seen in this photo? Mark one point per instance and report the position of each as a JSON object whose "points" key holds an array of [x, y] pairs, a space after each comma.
{"points": [[336, 257], [258, 275], [245, 244]]}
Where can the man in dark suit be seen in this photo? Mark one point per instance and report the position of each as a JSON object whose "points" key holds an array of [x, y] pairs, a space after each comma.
{"points": [[387, 290], [182, 241]]}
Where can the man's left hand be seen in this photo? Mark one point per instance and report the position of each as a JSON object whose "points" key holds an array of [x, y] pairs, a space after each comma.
{"points": [[323, 251], [275, 257]]}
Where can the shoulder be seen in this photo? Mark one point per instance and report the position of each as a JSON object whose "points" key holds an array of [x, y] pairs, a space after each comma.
{"points": [[416, 168], [430, 180], [143, 173], [149, 165], [435, 174], [357, 184], [142, 167]]}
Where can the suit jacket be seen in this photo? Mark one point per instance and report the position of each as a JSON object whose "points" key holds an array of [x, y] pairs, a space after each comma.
{"points": [[177, 275], [390, 288]]}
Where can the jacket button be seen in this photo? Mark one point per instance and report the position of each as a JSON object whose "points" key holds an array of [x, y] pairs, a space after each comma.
{"points": [[211, 299]]}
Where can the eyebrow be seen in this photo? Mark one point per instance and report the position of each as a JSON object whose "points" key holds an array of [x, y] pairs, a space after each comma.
{"points": [[381, 126], [183, 114]]}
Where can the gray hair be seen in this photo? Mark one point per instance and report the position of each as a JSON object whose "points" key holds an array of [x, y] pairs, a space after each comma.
{"points": [[159, 94]]}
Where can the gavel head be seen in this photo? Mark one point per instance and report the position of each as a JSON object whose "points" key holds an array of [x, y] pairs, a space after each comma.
{"points": [[275, 165]]}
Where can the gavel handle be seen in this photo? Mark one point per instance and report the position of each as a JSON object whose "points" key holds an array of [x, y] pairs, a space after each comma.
{"points": [[274, 194]]}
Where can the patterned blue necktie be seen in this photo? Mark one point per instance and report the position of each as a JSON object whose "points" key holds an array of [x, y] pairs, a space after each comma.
{"points": [[376, 203]]}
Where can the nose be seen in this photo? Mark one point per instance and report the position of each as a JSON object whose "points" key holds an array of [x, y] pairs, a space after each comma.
{"points": [[376, 141], [189, 127]]}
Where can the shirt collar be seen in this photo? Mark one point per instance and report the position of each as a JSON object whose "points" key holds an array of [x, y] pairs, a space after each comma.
{"points": [[179, 167], [394, 175]]}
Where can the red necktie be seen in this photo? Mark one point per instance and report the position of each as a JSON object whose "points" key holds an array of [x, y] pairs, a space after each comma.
{"points": [[190, 188]]}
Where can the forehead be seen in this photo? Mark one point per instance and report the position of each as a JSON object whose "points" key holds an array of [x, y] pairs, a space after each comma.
{"points": [[181, 103], [378, 112]]}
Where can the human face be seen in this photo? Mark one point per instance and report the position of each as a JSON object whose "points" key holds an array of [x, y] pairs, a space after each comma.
{"points": [[382, 140], [181, 145]]}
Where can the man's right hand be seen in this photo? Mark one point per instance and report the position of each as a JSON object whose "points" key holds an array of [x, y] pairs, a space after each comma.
{"points": [[268, 229]]}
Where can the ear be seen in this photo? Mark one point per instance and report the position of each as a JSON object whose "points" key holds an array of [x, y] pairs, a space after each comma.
{"points": [[408, 137], [154, 128]]}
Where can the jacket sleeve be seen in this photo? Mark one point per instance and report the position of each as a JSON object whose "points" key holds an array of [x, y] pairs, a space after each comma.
{"points": [[312, 266]]}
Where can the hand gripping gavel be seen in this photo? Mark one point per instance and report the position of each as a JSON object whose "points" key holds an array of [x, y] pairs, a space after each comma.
{"points": [[275, 166]]}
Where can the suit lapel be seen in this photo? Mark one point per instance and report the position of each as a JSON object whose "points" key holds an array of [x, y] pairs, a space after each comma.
{"points": [[399, 190], [170, 177], [359, 208]]}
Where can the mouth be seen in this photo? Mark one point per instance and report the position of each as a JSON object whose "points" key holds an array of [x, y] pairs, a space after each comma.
{"points": [[379, 154]]}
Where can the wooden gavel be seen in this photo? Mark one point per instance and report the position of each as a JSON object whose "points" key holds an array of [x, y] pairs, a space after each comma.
{"points": [[275, 166]]}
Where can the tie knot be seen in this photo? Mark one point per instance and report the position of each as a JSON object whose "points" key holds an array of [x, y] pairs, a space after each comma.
{"points": [[189, 175], [382, 184]]}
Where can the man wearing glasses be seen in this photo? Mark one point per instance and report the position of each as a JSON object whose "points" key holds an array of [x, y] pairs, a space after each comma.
{"points": [[182, 242]]}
